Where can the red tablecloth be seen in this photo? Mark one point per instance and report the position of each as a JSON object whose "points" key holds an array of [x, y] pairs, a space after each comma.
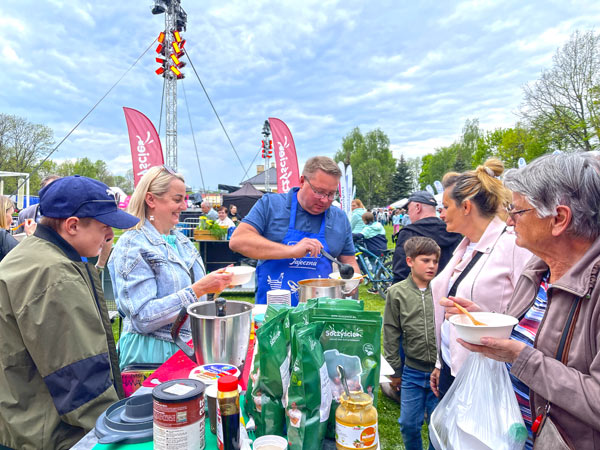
{"points": [[180, 366]]}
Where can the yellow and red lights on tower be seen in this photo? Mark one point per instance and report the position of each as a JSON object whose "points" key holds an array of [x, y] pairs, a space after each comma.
{"points": [[267, 151], [170, 59]]}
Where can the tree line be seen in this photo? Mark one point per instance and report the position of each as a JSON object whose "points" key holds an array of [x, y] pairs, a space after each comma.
{"points": [[560, 111], [23, 145]]}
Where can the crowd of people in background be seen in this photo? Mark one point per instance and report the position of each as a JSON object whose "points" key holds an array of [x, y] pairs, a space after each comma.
{"points": [[524, 243]]}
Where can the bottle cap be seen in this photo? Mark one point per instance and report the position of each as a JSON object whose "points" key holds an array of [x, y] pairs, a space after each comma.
{"points": [[227, 383]]}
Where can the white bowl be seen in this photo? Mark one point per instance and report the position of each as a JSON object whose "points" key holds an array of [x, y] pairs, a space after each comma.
{"points": [[270, 441], [241, 274], [349, 284], [496, 326]]}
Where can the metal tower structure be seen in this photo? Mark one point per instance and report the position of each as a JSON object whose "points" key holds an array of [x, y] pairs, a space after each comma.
{"points": [[171, 93], [172, 50]]}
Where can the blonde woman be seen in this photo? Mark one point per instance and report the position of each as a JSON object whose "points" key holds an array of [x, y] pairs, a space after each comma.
{"points": [[7, 242], [156, 270], [486, 264]]}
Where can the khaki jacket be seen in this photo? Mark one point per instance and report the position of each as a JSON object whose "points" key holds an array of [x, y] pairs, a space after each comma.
{"points": [[408, 320], [58, 366], [574, 389]]}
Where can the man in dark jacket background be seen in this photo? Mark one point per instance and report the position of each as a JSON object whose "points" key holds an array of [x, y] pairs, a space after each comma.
{"points": [[424, 222]]}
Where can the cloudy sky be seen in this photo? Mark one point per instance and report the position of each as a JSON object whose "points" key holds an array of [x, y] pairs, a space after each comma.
{"points": [[416, 70]]}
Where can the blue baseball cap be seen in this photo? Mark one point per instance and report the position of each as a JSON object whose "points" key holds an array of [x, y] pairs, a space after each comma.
{"points": [[78, 196]]}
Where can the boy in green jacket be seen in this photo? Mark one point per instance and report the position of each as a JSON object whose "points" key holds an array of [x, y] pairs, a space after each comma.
{"points": [[408, 324]]}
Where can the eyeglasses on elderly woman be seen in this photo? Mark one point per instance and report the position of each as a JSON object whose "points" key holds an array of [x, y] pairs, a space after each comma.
{"points": [[514, 214]]}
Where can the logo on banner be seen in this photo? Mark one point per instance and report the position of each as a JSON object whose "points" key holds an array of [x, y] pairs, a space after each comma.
{"points": [[142, 154], [284, 171]]}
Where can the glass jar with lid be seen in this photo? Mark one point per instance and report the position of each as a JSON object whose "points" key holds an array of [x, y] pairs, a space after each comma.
{"points": [[356, 422]]}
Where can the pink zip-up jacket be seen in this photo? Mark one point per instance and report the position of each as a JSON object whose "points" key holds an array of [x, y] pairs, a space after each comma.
{"points": [[490, 283]]}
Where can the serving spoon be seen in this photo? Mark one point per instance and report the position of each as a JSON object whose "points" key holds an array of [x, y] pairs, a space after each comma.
{"points": [[464, 311], [342, 374], [346, 270]]}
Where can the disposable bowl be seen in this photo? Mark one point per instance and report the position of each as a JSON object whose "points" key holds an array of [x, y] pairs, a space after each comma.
{"points": [[270, 441], [497, 326], [241, 274], [350, 284]]}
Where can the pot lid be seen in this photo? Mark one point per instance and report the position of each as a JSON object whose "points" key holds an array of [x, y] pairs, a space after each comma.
{"points": [[128, 421]]}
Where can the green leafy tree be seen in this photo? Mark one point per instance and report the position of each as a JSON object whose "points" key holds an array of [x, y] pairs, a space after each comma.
{"points": [[22, 145], [402, 180], [350, 145], [439, 163], [372, 164], [467, 145], [563, 100]]}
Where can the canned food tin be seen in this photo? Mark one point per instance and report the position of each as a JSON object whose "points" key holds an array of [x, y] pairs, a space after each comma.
{"points": [[178, 415]]}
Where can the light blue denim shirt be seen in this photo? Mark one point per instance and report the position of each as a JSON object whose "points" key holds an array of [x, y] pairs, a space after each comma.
{"points": [[152, 281]]}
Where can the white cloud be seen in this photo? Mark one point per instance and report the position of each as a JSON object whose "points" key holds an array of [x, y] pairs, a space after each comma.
{"points": [[381, 89], [324, 67]]}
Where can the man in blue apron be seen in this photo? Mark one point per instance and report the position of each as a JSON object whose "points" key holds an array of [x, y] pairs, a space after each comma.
{"points": [[287, 232]]}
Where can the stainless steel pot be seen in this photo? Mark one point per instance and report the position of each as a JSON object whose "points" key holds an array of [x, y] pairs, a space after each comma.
{"points": [[320, 287], [216, 339]]}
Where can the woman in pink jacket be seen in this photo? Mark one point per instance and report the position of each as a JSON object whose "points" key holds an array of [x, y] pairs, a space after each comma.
{"points": [[486, 264]]}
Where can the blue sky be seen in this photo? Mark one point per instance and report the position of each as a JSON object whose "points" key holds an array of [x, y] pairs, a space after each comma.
{"points": [[416, 70]]}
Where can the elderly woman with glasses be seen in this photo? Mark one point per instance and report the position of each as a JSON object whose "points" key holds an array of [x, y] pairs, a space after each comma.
{"points": [[486, 264], [553, 353], [156, 270]]}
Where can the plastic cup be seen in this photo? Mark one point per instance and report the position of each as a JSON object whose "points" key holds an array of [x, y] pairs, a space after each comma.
{"points": [[270, 442]]}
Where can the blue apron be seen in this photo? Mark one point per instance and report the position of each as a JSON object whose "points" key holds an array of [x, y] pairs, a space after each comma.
{"points": [[285, 273]]}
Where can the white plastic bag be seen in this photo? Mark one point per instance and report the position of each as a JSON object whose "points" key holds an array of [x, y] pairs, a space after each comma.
{"points": [[479, 411]]}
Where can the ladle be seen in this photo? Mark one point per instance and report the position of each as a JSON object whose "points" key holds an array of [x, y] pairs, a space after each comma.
{"points": [[342, 374], [346, 270], [464, 311]]}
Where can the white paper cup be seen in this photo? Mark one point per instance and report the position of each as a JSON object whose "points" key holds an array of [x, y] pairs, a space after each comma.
{"points": [[271, 440]]}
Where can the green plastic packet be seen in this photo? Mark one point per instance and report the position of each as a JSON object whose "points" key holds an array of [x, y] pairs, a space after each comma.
{"points": [[309, 393], [351, 339], [337, 303], [274, 375], [251, 397], [273, 310]]}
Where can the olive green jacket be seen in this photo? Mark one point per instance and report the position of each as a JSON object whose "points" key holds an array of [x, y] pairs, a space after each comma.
{"points": [[58, 364], [408, 323]]}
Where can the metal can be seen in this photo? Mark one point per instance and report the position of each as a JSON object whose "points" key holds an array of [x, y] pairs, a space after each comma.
{"points": [[356, 422], [178, 415]]}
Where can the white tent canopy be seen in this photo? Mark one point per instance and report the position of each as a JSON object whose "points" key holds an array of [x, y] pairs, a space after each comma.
{"points": [[399, 203]]}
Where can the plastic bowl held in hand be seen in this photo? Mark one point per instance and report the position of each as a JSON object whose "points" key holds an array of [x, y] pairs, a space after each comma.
{"points": [[349, 285], [497, 326], [241, 274]]}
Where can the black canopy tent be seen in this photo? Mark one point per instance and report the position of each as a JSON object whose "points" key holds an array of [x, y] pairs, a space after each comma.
{"points": [[244, 198]]}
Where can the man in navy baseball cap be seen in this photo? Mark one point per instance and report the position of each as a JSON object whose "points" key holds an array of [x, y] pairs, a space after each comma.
{"points": [[57, 325], [78, 196]]}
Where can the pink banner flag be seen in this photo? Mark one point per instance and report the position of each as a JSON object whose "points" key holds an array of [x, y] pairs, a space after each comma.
{"points": [[146, 150], [286, 162]]}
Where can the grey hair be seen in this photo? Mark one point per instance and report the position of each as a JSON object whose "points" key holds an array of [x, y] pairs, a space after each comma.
{"points": [[569, 179]]}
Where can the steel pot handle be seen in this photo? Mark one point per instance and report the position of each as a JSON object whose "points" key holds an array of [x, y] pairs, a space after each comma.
{"points": [[175, 334]]}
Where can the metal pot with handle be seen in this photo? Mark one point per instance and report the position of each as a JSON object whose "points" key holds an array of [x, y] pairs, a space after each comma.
{"points": [[216, 338], [320, 287]]}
